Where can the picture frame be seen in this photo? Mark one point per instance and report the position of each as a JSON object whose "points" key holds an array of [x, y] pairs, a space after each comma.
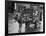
{"points": [[7, 11]]}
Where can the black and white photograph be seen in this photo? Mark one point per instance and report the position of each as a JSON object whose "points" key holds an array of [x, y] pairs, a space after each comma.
{"points": [[24, 17]]}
